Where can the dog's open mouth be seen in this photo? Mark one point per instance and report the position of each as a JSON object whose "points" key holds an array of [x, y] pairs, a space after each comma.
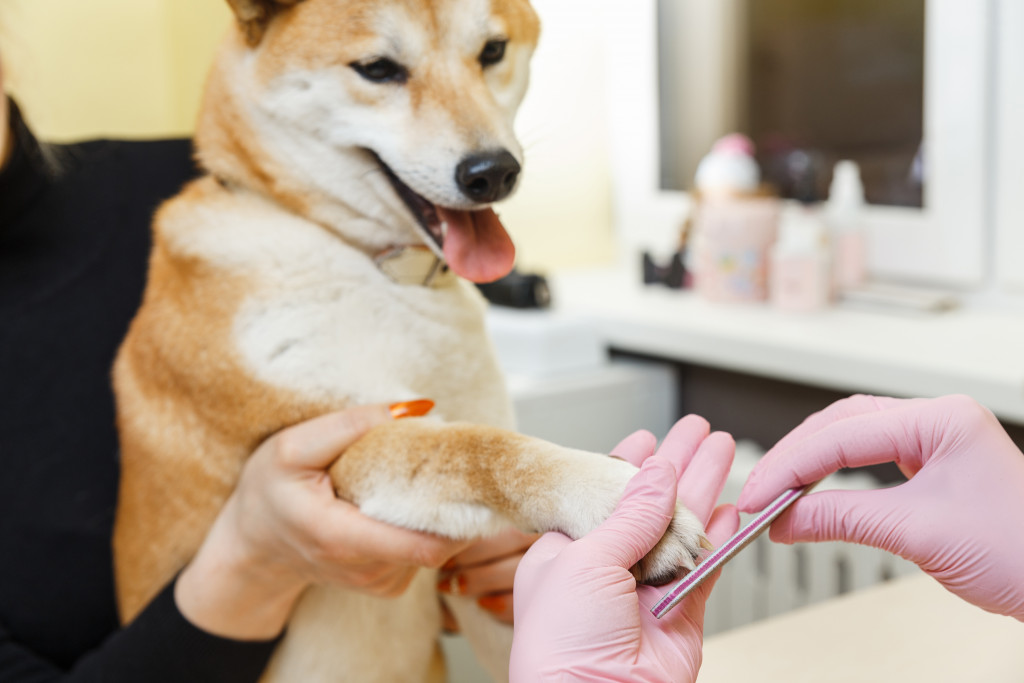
{"points": [[473, 243]]}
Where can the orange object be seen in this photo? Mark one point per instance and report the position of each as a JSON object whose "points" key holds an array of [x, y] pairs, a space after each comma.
{"points": [[417, 408]]}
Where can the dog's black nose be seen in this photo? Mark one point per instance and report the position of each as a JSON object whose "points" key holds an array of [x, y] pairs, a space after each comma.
{"points": [[488, 177]]}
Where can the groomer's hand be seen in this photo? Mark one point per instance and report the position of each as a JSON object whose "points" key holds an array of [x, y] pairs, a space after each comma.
{"points": [[579, 613], [486, 571], [283, 529], [960, 515]]}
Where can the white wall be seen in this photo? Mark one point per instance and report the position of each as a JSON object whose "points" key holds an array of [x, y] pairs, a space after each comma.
{"points": [[561, 214], [119, 68]]}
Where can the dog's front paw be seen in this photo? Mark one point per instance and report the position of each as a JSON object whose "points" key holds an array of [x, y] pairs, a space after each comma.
{"points": [[592, 485], [676, 553]]}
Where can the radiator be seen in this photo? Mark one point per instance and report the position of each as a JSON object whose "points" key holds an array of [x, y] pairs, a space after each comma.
{"points": [[770, 578]]}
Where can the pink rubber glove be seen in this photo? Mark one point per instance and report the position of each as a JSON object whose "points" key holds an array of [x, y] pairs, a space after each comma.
{"points": [[579, 614], [960, 517]]}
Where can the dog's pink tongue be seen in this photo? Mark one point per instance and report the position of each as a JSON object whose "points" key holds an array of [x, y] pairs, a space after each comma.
{"points": [[476, 245]]}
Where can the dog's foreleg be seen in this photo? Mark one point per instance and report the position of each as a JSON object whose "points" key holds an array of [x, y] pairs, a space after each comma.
{"points": [[464, 481]]}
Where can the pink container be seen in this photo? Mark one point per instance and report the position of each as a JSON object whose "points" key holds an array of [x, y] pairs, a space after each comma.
{"points": [[732, 242]]}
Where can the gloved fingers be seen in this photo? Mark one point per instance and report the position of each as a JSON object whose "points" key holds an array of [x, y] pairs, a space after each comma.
{"points": [[636, 447], [724, 522], [544, 549], [639, 520], [948, 424], [684, 440], [875, 518], [856, 441], [702, 481], [533, 568], [851, 406]]}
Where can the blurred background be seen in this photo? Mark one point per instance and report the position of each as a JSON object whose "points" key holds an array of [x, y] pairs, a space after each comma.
{"points": [[110, 68], [836, 80]]}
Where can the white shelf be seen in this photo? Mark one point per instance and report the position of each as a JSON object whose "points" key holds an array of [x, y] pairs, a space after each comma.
{"points": [[970, 351]]}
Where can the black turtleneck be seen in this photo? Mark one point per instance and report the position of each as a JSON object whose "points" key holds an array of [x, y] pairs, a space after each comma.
{"points": [[74, 244]]}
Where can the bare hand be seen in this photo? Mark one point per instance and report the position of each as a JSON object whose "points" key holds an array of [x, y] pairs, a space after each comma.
{"points": [[283, 529], [486, 571]]}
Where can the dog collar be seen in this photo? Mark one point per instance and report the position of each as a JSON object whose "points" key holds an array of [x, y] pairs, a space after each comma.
{"points": [[414, 265]]}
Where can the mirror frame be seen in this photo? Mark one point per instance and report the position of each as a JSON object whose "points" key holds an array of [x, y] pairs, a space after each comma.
{"points": [[944, 243], [1009, 150]]}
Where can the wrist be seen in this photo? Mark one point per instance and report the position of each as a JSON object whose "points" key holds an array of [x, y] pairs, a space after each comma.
{"points": [[228, 593]]}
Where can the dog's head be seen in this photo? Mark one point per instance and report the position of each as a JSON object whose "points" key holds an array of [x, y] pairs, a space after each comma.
{"points": [[400, 111]]}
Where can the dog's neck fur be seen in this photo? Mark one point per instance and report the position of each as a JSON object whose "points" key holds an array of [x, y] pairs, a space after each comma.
{"points": [[225, 138], [229, 148]]}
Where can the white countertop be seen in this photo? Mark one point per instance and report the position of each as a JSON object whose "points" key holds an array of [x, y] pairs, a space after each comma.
{"points": [[907, 630], [970, 351]]}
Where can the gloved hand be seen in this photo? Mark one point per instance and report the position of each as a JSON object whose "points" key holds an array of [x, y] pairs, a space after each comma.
{"points": [[960, 516], [579, 614]]}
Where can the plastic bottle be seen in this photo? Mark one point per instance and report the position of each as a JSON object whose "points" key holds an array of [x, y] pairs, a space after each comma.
{"points": [[729, 168], [845, 217], [734, 225], [800, 273]]}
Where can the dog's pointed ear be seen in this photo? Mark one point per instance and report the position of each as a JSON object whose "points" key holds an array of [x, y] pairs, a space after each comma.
{"points": [[254, 15]]}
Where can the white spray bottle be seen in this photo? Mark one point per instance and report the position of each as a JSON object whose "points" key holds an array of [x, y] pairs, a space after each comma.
{"points": [[845, 216]]}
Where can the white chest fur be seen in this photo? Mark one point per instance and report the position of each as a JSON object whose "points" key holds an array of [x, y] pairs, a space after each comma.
{"points": [[318, 318], [321, 320]]}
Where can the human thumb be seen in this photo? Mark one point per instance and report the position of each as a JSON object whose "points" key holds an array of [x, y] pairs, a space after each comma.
{"points": [[640, 519], [316, 443], [872, 518]]}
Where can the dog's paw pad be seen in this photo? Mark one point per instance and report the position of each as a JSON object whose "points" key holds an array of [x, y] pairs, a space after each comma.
{"points": [[679, 551]]}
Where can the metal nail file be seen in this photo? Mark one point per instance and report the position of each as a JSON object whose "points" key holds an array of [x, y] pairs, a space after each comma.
{"points": [[727, 550]]}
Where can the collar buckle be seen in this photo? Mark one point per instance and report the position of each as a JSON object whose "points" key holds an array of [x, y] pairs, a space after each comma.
{"points": [[414, 264]]}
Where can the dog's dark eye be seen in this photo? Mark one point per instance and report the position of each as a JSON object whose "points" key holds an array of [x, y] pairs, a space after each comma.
{"points": [[493, 52], [382, 70]]}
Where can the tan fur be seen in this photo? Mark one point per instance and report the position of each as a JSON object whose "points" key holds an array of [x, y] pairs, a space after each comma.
{"points": [[264, 308], [178, 358], [482, 465], [254, 15]]}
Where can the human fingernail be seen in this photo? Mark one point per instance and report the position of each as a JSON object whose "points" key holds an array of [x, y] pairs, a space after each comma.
{"points": [[454, 584], [417, 408], [493, 603]]}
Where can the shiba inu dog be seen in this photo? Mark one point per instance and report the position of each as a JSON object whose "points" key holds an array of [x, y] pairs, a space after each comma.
{"points": [[352, 150]]}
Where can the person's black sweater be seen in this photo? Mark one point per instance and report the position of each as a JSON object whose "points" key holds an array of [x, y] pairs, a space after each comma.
{"points": [[74, 245]]}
